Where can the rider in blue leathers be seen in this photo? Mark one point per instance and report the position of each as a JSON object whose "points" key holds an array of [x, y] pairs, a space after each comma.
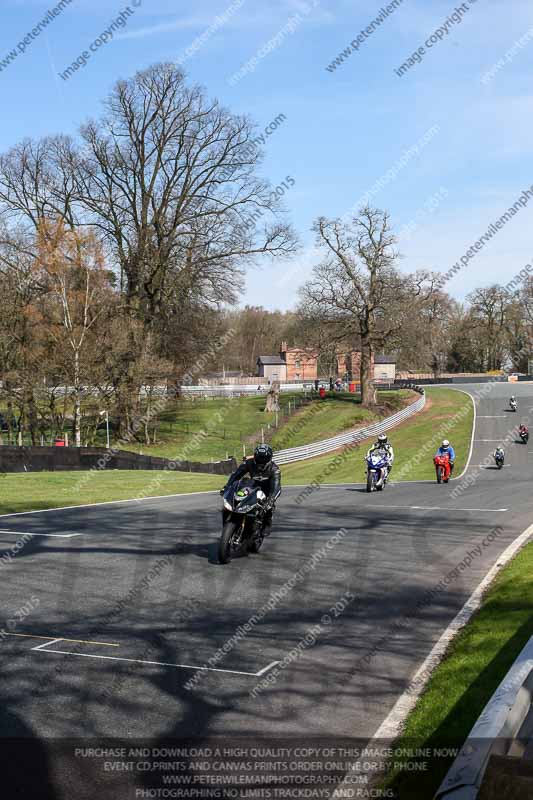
{"points": [[447, 449]]}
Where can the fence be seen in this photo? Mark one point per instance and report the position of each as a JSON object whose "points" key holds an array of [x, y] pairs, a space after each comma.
{"points": [[39, 459], [292, 454]]}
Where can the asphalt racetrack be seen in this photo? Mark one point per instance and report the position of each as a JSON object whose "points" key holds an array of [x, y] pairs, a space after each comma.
{"points": [[108, 611]]}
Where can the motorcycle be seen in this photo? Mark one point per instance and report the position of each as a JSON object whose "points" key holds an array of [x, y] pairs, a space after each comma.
{"points": [[499, 457], [513, 405], [377, 470], [524, 435], [242, 519], [442, 467]]}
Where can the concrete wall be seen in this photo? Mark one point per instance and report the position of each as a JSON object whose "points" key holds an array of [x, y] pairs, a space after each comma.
{"points": [[52, 459]]}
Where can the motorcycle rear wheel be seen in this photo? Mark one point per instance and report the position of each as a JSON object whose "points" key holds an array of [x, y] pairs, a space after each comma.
{"points": [[226, 545]]}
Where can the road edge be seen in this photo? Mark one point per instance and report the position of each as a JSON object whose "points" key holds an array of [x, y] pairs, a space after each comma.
{"points": [[393, 724]]}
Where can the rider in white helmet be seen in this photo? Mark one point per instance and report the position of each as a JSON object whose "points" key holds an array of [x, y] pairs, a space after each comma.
{"points": [[447, 449], [382, 443]]}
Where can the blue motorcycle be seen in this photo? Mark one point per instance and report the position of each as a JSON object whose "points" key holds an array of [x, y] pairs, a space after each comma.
{"points": [[377, 470]]}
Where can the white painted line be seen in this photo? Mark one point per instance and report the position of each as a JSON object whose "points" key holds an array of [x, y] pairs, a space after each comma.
{"points": [[435, 508], [392, 726], [487, 466], [63, 639], [111, 502], [493, 416], [54, 535], [472, 398], [45, 644], [266, 669], [488, 440], [41, 649]]}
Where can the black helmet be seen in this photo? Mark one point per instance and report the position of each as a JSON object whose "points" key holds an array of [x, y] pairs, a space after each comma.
{"points": [[263, 455]]}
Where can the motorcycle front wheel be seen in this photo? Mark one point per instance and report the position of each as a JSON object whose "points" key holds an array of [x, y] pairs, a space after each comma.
{"points": [[226, 546], [369, 481], [439, 474], [255, 543]]}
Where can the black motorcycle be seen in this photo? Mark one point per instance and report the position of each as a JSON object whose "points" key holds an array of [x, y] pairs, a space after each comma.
{"points": [[243, 514], [499, 458]]}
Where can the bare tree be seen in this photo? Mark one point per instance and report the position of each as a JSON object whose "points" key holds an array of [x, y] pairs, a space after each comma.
{"points": [[168, 179], [357, 291]]}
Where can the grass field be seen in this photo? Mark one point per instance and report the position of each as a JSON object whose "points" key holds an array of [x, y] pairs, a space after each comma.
{"points": [[230, 423], [334, 414], [414, 442], [33, 490], [464, 682], [226, 422], [24, 492]]}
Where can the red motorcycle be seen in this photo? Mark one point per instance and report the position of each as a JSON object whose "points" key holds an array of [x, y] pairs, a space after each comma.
{"points": [[443, 468]]}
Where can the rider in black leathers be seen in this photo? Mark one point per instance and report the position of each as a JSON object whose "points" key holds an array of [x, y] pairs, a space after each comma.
{"points": [[266, 474]]}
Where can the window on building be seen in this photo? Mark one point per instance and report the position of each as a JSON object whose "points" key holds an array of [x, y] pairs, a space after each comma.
{"points": [[297, 363]]}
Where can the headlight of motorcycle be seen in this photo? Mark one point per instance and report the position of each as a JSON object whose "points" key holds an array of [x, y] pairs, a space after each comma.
{"points": [[261, 495], [228, 505]]}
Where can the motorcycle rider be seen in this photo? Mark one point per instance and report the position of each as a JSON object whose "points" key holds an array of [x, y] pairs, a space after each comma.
{"points": [[499, 454], [523, 430], [382, 443], [512, 401], [266, 475], [447, 449]]}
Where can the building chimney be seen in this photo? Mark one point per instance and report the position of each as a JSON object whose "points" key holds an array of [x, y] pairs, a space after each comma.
{"points": [[283, 348]]}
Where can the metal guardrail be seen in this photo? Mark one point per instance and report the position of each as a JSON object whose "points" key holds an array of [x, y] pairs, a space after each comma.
{"points": [[504, 728], [292, 454]]}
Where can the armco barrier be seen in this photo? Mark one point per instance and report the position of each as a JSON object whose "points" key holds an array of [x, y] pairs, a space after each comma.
{"points": [[292, 454], [53, 459], [504, 730]]}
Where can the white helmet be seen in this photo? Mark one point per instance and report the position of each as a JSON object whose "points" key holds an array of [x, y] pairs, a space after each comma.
{"points": [[445, 443]]}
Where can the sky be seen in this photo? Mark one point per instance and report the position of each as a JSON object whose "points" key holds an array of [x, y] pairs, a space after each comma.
{"points": [[445, 147]]}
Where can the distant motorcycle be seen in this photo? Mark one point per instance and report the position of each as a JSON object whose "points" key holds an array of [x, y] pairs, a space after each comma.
{"points": [[513, 405], [377, 470], [242, 520], [523, 432], [442, 468], [499, 457]]}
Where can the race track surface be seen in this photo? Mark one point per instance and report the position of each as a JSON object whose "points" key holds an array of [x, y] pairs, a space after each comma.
{"points": [[121, 637]]}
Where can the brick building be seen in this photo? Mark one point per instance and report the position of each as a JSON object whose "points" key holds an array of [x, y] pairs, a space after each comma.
{"points": [[349, 364], [292, 364]]}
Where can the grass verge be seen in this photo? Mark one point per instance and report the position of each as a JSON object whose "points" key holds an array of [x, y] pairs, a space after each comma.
{"points": [[31, 491], [460, 687], [335, 413], [414, 441], [35, 490]]}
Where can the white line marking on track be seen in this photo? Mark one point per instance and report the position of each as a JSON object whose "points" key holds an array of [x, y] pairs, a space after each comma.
{"points": [[41, 649], [108, 503], [493, 416], [54, 535], [392, 726], [63, 639], [487, 466], [45, 644], [472, 398], [435, 508]]}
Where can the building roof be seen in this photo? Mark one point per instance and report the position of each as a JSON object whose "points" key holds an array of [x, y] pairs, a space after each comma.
{"points": [[270, 361], [384, 360]]}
